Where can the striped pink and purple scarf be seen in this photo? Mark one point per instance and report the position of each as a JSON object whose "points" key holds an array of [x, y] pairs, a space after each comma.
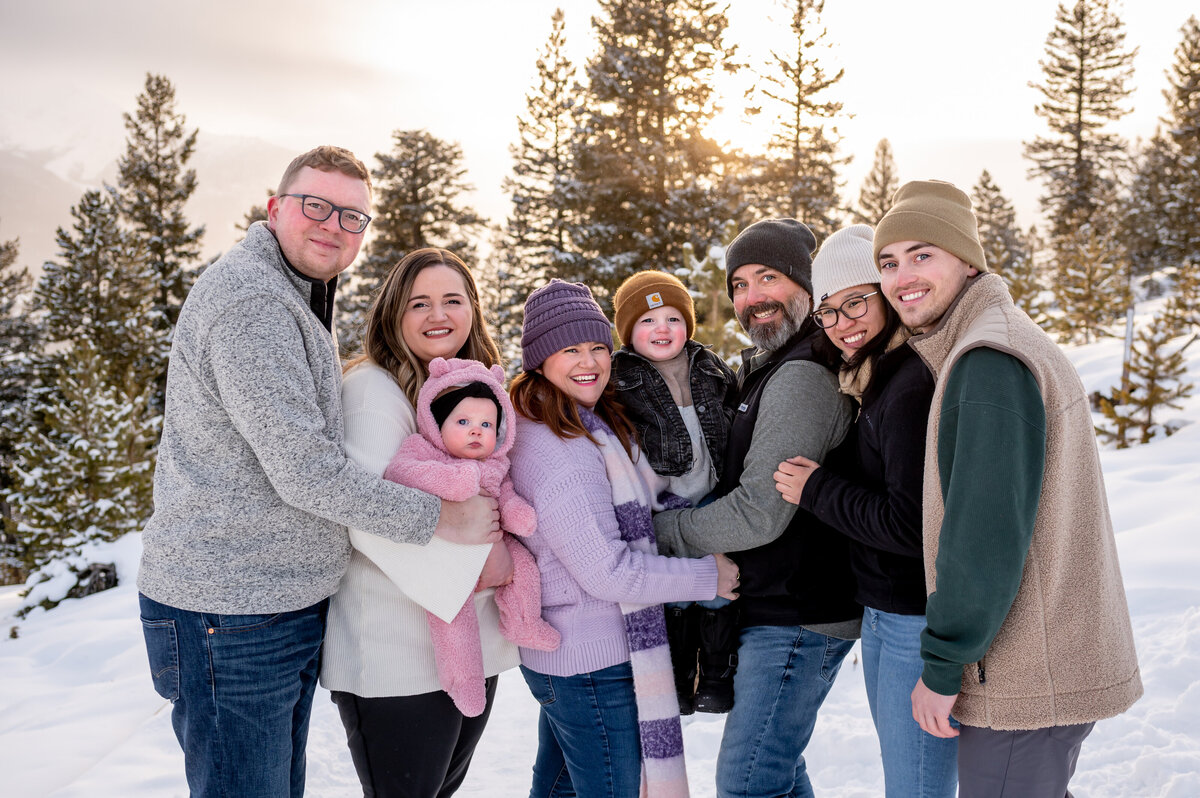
{"points": [[663, 771]]}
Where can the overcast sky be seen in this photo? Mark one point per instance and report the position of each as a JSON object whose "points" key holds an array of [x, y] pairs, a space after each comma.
{"points": [[934, 76]]}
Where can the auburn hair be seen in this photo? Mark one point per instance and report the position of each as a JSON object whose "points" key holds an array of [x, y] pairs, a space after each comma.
{"points": [[537, 399]]}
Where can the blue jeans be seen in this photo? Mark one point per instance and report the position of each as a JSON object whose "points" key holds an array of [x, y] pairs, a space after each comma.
{"points": [[588, 744], [783, 676], [242, 686], [915, 763]]}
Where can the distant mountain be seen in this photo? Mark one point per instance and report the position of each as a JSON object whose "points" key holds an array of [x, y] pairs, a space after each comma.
{"points": [[40, 186]]}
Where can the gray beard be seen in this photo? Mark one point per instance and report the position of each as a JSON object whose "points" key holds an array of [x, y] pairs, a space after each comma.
{"points": [[769, 337]]}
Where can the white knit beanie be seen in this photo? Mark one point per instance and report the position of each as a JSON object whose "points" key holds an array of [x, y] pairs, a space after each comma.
{"points": [[843, 261]]}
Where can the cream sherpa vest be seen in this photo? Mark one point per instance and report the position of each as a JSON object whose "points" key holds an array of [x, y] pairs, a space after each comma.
{"points": [[1065, 653]]}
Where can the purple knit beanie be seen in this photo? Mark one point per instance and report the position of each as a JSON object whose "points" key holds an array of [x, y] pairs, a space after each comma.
{"points": [[558, 315]]}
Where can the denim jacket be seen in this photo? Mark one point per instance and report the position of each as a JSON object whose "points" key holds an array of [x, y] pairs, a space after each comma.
{"points": [[663, 435]]}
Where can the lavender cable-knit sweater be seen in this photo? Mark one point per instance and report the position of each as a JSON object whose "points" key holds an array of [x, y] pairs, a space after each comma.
{"points": [[587, 570]]}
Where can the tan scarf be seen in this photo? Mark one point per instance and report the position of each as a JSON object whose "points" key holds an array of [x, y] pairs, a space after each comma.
{"points": [[855, 380]]}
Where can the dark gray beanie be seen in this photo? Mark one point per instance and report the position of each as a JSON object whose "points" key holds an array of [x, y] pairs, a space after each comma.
{"points": [[785, 245], [558, 315]]}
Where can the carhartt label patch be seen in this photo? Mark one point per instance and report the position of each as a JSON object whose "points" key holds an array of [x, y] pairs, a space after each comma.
{"points": [[654, 300]]}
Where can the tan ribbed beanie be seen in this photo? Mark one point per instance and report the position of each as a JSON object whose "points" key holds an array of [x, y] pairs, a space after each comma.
{"points": [[934, 212], [843, 261], [648, 290]]}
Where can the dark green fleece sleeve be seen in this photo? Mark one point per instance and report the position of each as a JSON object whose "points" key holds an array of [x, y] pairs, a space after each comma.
{"points": [[991, 456]]}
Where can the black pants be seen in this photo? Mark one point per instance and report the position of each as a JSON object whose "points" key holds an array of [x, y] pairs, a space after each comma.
{"points": [[416, 746]]}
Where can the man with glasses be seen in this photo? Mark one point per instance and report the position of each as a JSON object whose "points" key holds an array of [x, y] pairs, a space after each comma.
{"points": [[253, 491], [1027, 640], [798, 614]]}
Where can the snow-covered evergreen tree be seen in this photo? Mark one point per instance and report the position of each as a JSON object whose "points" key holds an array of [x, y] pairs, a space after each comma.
{"points": [[1085, 72], [1148, 227], [1091, 285], [18, 343], [798, 176], [153, 186], [88, 429], [419, 188], [716, 325], [536, 244], [646, 178], [878, 187], [1005, 246], [1157, 372], [84, 473], [100, 289]]}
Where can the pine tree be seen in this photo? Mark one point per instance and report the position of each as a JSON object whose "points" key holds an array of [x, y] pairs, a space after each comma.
{"points": [[716, 325], [18, 342], [257, 213], [1147, 224], [1091, 285], [153, 186], [1156, 382], [798, 177], [645, 177], [1005, 247], [1182, 311], [84, 474], [1086, 69], [1183, 101], [100, 288], [88, 429], [419, 188], [536, 246], [878, 187]]}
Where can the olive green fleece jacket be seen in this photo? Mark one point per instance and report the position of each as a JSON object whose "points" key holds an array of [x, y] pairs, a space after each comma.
{"points": [[1064, 652]]}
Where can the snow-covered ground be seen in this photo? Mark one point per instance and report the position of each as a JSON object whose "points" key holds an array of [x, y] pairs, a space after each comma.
{"points": [[78, 716]]}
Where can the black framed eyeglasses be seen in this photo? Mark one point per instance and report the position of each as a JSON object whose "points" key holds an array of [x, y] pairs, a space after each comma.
{"points": [[853, 308], [319, 210]]}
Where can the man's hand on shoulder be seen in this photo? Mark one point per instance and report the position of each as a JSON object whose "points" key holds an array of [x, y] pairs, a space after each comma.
{"points": [[476, 520]]}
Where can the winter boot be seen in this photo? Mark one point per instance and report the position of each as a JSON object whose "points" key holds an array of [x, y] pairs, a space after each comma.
{"points": [[718, 659], [683, 637]]}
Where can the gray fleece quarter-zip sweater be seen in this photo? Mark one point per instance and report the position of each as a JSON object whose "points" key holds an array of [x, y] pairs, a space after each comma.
{"points": [[253, 491]]}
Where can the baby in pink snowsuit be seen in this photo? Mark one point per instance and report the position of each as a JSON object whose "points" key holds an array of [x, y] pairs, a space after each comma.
{"points": [[466, 428]]}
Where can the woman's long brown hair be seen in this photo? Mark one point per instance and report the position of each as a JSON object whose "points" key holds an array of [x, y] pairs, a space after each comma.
{"points": [[383, 342]]}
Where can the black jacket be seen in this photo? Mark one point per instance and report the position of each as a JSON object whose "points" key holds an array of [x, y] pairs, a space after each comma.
{"points": [[803, 576], [874, 495], [662, 434]]}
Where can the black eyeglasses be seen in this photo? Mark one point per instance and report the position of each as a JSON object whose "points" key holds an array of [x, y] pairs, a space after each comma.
{"points": [[319, 210], [853, 308]]}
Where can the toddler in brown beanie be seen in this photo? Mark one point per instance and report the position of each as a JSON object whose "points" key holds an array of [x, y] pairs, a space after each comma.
{"points": [[675, 392]]}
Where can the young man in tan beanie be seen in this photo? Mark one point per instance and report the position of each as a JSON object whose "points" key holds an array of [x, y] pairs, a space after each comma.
{"points": [[1028, 641], [676, 392]]}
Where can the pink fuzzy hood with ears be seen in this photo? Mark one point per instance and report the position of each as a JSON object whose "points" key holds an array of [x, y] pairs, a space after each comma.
{"points": [[455, 373]]}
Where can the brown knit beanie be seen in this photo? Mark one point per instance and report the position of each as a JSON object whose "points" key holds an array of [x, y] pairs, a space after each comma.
{"points": [[933, 212], [785, 245], [558, 315], [648, 290]]}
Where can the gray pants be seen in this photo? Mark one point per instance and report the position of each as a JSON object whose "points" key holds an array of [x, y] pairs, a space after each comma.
{"points": [[1018, 764]]}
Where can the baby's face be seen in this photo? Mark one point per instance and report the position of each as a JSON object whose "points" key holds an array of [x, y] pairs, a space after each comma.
{"points": [[659, 334], [470, 429]]}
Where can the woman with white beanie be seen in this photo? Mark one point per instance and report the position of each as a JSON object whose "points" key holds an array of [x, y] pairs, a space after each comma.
{"points": [[872, 494]]}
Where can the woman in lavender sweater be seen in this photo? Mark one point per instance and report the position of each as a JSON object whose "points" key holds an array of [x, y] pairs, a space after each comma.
{"points": [[610, 717]]}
